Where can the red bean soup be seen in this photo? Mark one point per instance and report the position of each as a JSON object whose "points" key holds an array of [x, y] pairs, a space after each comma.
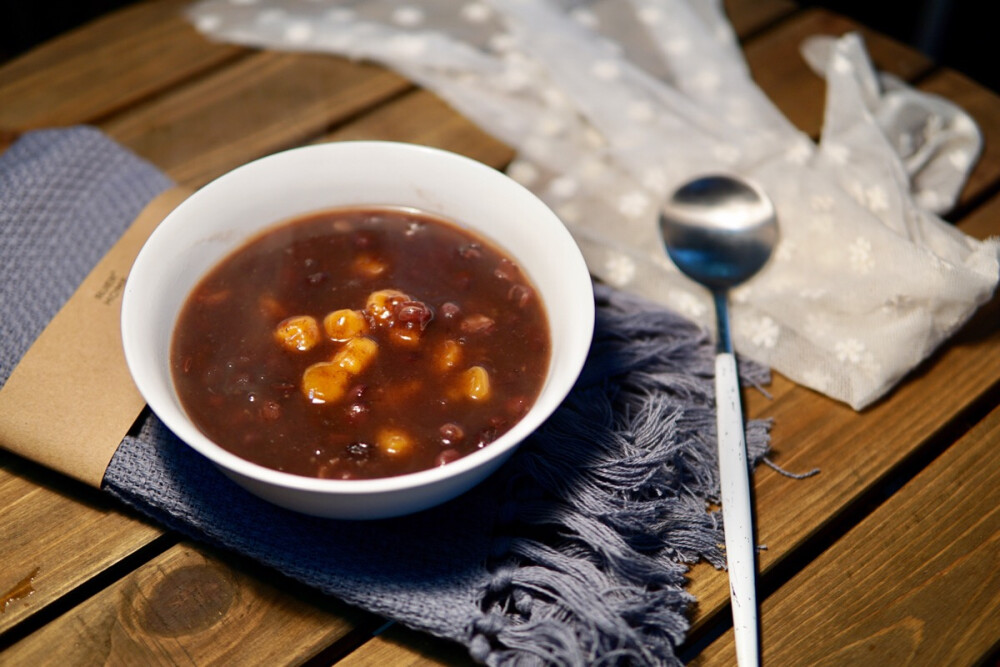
{"points": [[360, 343]]}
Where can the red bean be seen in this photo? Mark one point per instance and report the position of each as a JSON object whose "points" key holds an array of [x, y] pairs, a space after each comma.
{"points": [[517, 406], [214, 298], [505, 270], [317, 278], [270, 411], [520, 295], [449, 310], [364, 240], [414, 314], [470, 251], [286, 389], [485, 437], [478, 324], [335, 472], [446, 457], [451, 434], [358, 411]]}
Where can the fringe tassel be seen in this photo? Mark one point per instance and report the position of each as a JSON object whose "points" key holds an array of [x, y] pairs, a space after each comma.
{"points": [[613, 502]]}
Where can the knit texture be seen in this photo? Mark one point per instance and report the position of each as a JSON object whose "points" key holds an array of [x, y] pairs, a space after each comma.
{"points": [[573, 553], [65, 198]]}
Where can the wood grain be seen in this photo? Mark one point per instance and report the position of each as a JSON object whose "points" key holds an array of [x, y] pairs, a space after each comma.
{"points": [[105, 66], [188, 607], [421, 117], [401, 647], [916, 583], [749, 16], [259, 105], [60, 530]]}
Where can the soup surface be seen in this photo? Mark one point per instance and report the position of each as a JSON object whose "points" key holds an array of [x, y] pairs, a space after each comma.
{"points": [[360, 343]]}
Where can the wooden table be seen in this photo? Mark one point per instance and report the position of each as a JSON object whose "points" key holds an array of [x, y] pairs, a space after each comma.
{"points": [[890, 556]]}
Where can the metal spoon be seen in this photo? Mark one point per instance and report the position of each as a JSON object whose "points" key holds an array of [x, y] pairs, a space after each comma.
{"points": [[720, 230]]}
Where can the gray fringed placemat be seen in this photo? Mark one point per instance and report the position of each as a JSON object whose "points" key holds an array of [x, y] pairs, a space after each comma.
{"points": [[574, 553]]}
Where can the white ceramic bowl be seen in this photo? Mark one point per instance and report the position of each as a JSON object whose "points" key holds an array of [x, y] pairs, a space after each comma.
{"points": [[222, 215]]}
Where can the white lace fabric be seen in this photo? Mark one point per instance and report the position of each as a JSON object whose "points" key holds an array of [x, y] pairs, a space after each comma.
{"points": [[612, 104]]}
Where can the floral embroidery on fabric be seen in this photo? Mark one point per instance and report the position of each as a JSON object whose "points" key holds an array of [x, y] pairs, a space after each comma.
{"points": [[860, 256], [620, 269], [763, 332]]}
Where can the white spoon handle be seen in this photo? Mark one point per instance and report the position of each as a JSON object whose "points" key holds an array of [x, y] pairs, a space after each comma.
{"points": [[734, 478]]}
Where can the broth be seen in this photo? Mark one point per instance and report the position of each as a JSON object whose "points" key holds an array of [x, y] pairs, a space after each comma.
{"points": [[360, 343]]}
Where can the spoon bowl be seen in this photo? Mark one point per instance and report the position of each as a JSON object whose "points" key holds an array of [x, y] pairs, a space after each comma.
{"points": [[719, 230]]}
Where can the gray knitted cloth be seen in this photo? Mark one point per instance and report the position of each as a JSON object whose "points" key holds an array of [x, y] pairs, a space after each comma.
{"points": [[574, 553]]}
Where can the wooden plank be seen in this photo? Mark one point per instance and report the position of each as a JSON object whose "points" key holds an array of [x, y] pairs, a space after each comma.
{"points": [[983, 105], [190, 607], [981, 223], [105, 66], [55, 534], [917, 582], [421, 117], [262, 104], [402, 647], [780, 71], [749, 16], [7, 137]]}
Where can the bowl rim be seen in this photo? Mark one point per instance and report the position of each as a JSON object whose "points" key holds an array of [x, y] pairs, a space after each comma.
{"points": [[553, 392]]}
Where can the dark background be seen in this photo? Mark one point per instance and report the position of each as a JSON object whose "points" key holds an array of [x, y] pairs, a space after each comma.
{"points": [[959, 34], [955, 33], [26, 23]]}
